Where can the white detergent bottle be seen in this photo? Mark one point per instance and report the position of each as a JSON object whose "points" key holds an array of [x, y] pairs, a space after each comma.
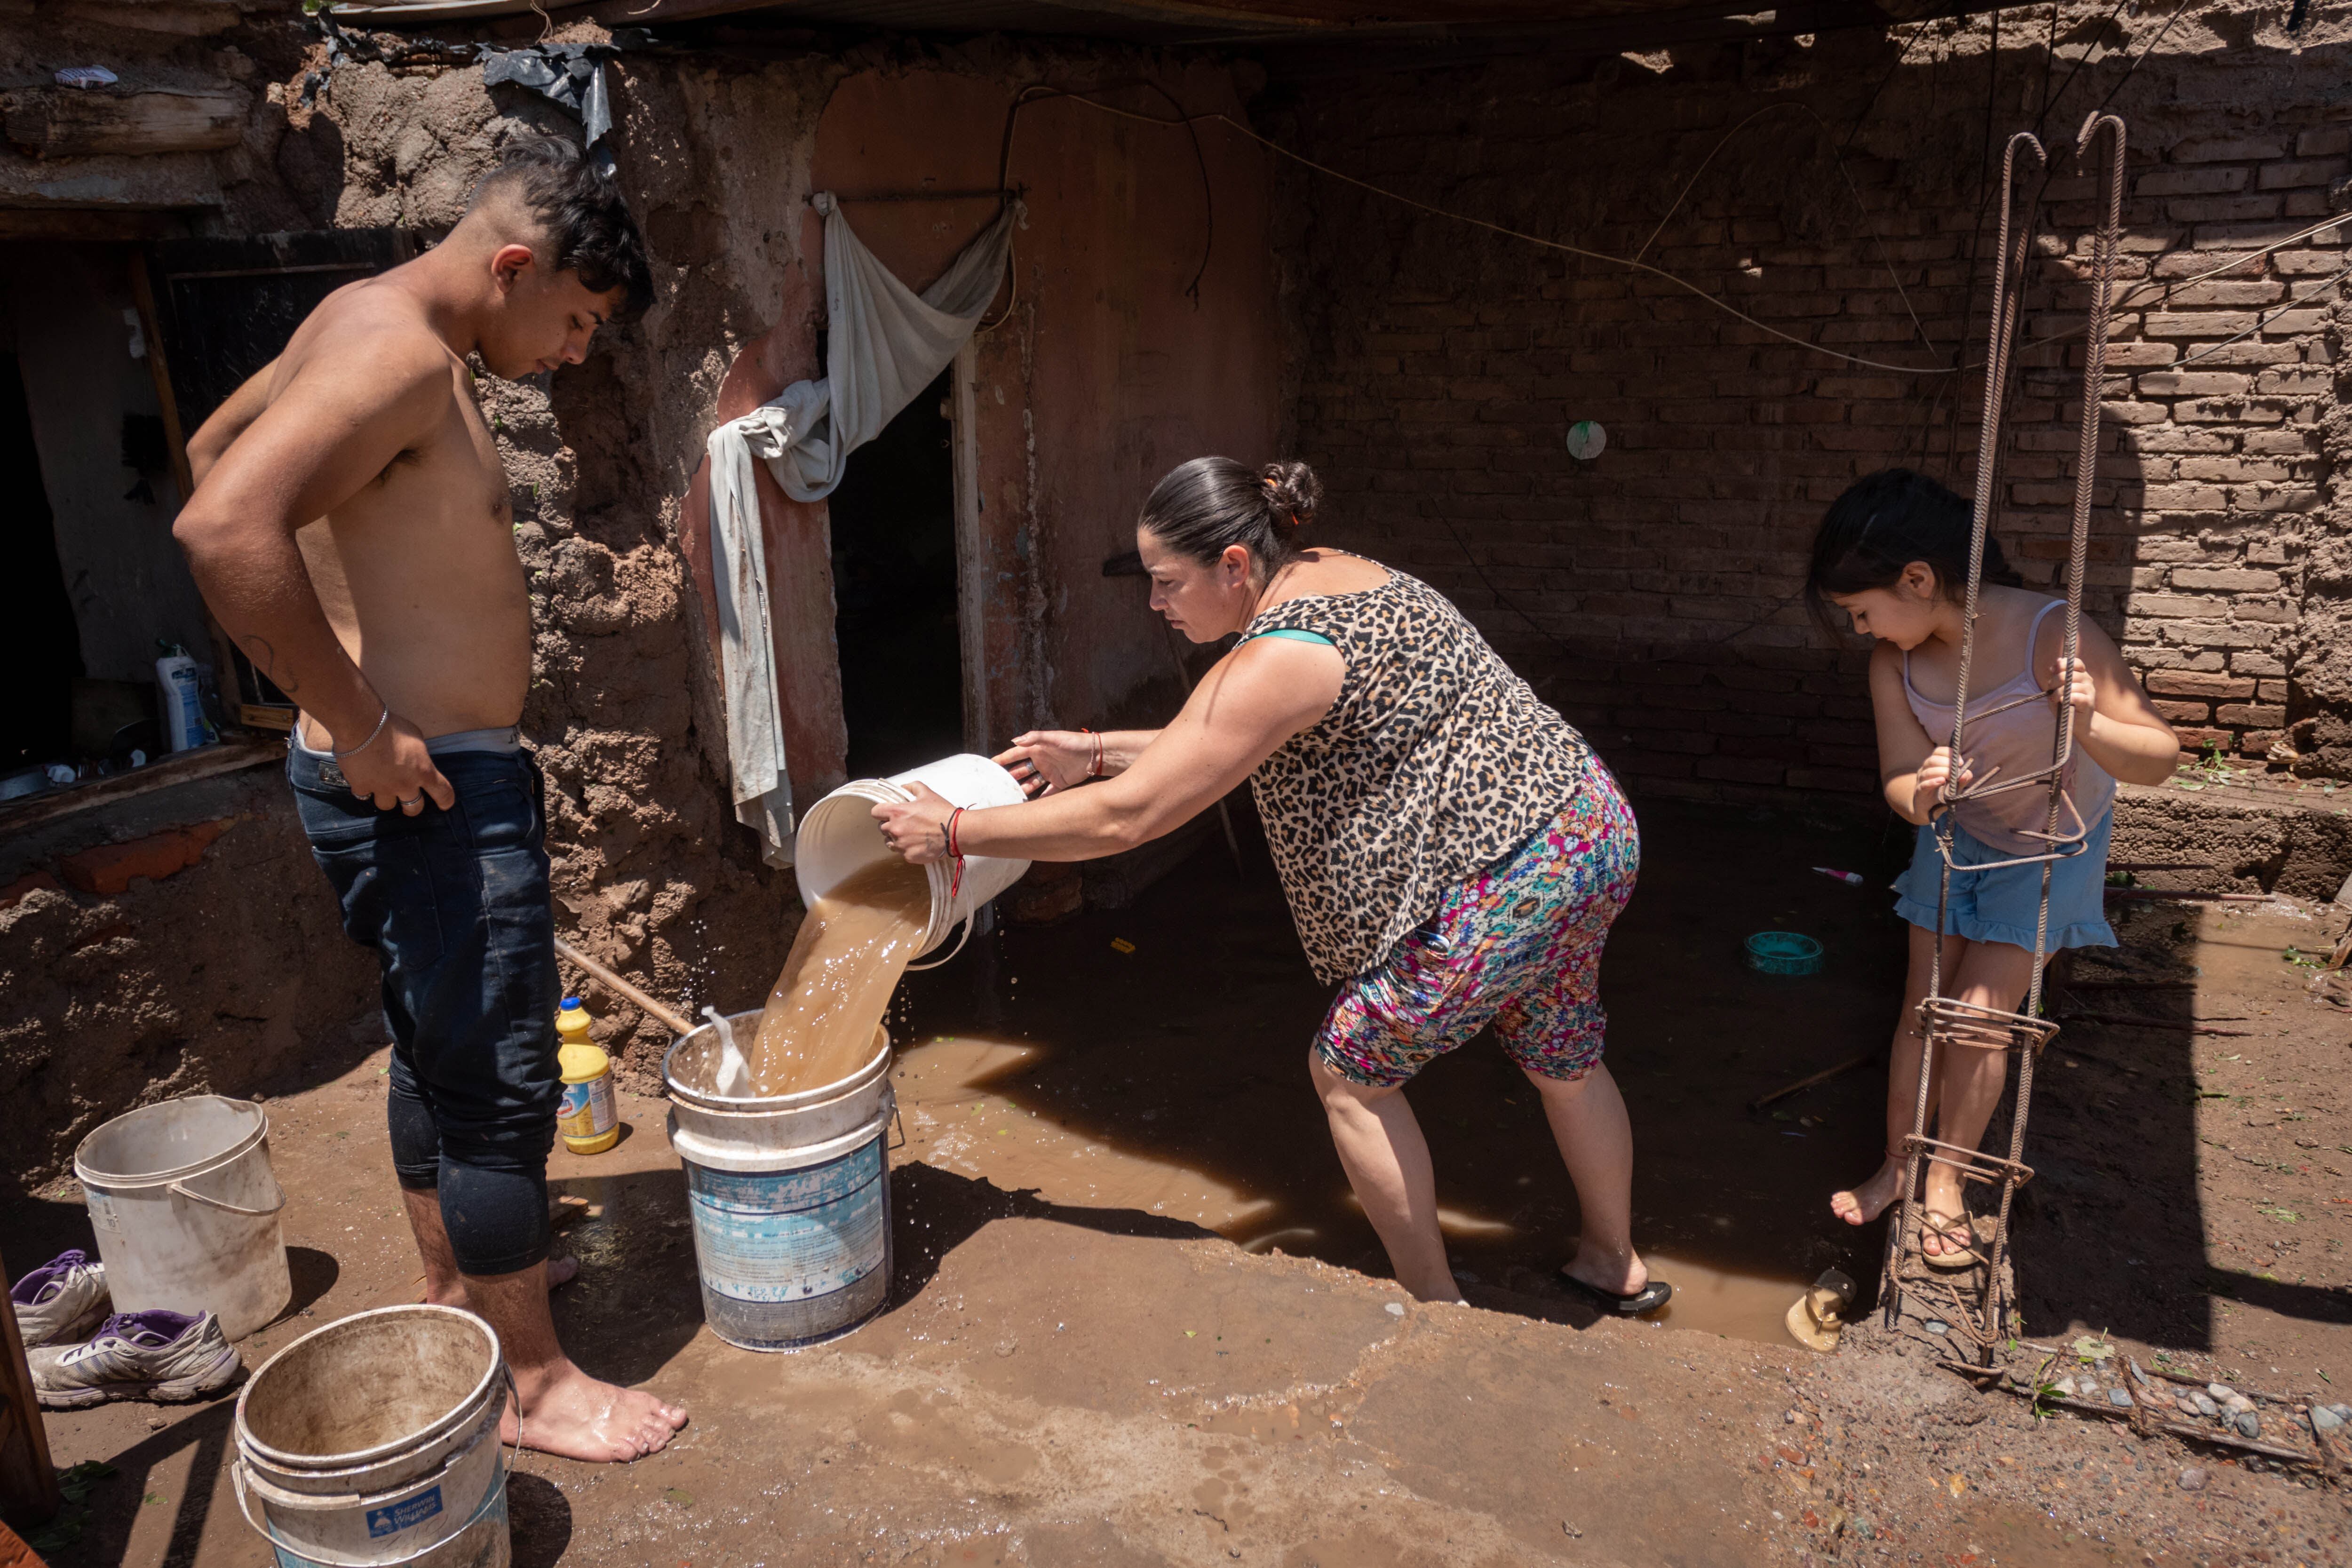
{"points": [[179, 703]]}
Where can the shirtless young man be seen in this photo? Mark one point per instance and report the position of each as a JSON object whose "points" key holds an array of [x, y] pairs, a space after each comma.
{"points": [[351, 529]]}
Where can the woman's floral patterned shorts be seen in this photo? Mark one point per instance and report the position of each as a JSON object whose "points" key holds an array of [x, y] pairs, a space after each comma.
{"points": [[1517, 946]]}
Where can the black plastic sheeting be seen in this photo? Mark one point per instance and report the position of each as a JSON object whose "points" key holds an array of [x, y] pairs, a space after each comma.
{"points": [[571, 74]]}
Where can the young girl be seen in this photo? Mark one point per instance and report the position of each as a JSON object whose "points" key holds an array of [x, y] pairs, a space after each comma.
{"points": [[1893, 553]]}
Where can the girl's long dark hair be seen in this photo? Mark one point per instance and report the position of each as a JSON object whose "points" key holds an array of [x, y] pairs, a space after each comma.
{"points": [[1884, 522]]}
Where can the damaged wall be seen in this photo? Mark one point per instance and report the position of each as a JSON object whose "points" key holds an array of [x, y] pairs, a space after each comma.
{"points": [[1652, 592], [1105, 374]]}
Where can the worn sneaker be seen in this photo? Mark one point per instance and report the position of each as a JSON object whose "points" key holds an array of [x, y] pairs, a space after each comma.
{"points": [[156, 1355], [61, 1301]]}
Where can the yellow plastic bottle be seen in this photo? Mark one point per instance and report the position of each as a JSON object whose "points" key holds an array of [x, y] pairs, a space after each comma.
{"points": [[587, 1120]]}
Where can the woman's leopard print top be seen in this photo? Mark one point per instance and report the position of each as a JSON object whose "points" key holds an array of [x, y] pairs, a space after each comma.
{"points": [[1434, 761]]}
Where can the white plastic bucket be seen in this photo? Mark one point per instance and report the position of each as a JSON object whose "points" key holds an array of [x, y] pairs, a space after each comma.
{"points": [[838, 835], [374, 1440], [186, 1208], [790, 1196]]}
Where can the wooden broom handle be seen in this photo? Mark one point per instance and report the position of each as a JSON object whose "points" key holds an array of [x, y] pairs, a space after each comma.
{"points": [[622, 988]]}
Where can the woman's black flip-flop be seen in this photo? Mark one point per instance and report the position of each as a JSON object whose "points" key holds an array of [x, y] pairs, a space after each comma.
{"points": [[1648, 1299]]}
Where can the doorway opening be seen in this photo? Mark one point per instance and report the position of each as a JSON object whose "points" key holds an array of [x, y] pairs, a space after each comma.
{"points": [[41, 645], [895, 590]]}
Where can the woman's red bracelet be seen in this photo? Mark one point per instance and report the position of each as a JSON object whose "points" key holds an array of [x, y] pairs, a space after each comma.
{"points": [[1096, 770]]}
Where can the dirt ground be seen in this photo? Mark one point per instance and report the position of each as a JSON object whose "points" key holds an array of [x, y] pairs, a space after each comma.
{"points": [[1097, 1350]]}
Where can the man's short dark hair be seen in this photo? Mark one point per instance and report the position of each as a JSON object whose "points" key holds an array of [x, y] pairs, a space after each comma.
{"points": [[582, 206]]}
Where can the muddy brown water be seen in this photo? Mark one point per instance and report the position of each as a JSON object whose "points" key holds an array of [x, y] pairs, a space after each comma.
{"points": [[817, 1027], [1172, 1079]]}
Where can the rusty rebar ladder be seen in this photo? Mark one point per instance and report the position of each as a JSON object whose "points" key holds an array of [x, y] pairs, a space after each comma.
{"points": [[1947, 1022]]}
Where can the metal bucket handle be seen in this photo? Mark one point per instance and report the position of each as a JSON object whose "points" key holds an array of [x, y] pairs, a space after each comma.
{"points": [[181, 1189], [934, 964], [506, 1473]]}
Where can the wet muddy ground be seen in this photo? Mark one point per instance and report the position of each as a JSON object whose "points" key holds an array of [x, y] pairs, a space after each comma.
{"points": [[1081, 1362], [1172, 1077]]}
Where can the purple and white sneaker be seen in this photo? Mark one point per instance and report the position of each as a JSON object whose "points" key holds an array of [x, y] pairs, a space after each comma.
{"points": [[61, 1301], [157, 1354]]}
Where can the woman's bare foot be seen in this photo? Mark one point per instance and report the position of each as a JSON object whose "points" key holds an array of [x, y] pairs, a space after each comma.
{"points": [[567, 1412], [1860, 1205], [1620, 1276], [1434, 1287]]}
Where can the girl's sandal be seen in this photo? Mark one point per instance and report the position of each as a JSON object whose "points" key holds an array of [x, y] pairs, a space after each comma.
{"points": [[1956, 1231]]}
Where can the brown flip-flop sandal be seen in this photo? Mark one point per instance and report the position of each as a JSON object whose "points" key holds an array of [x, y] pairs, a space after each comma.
{"points": [[1953, 1228]]}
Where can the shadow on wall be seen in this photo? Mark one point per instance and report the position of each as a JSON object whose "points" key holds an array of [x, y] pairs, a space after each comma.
{"points": [[1443, 365]]}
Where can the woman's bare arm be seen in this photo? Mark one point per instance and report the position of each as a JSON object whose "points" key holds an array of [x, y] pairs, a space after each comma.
{"points": [[1258, 696]]}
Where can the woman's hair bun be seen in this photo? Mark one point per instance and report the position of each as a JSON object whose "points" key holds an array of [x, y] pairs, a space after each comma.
{"points": [[1293, 491]]}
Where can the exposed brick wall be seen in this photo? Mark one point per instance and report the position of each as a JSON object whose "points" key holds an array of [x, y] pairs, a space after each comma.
{"points": [[1651, 593]]}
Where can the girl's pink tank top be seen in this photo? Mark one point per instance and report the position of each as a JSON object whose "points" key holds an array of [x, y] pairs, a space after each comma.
{"points": [[2018, 741]]}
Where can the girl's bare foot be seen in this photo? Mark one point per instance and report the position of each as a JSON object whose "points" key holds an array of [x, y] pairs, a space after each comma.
{"points": [[1861, 1205], [568, 1413]]}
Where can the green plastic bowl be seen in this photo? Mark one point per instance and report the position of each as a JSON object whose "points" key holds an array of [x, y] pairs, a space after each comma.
{"points": [[1783, 952]]}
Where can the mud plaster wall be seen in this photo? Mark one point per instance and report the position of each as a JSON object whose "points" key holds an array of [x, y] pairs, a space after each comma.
{"points": [[650, 874], [231, 975], [1651, 593]]}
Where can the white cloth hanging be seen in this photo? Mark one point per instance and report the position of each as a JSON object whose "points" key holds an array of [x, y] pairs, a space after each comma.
{"points": [[746, 649], [884, 343]]}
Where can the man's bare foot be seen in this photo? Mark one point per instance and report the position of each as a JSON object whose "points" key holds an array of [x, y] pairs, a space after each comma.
{"points": [[1865, 1203], [567, 1412]]}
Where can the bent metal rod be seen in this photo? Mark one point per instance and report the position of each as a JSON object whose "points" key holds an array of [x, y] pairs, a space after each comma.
{"points": [[1947, 1022]]}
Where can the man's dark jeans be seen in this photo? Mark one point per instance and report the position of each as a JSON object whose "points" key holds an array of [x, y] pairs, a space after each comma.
{"points": [[455, 905]]}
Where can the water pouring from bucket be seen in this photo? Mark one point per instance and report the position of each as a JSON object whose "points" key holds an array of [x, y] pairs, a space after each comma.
{"points": [[870, 915], [787, 1177]]}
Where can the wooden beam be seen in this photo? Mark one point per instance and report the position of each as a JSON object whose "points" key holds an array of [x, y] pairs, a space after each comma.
{"points": [[69, 123], [103, 226], [158, 366], [235, 751], [28, 1478]]}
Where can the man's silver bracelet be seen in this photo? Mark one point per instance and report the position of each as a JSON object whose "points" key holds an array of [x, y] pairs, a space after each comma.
{"points": [[381, 720]]}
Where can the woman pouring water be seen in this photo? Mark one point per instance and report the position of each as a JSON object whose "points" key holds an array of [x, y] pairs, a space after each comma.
{"points": [[1452, 850]]}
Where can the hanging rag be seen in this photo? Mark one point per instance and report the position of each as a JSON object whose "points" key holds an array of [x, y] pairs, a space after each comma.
{"points": [[884, 343]]}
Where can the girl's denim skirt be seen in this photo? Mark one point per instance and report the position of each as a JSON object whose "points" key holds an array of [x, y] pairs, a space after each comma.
{"points": [[2000, 906]]}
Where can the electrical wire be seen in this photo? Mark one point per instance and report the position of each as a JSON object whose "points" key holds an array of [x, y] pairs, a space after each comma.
{"points": [[2261, 321], [1630, 263], [1038, 92], [2164, 290], [1838, 157]]}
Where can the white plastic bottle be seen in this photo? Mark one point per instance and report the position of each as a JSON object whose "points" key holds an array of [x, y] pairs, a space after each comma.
{"points": [[179, 703]]}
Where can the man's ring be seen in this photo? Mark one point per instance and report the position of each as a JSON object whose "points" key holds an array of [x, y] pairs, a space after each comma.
{"points": [[412, 800]]}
